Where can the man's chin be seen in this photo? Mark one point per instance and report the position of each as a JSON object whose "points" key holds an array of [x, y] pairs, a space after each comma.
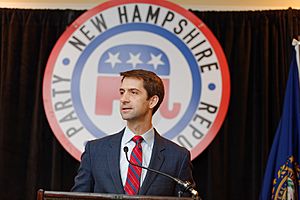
{"points": [[125, 117]]}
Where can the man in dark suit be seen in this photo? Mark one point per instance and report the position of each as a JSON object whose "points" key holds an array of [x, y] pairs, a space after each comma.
{"points": [[104, 168]]}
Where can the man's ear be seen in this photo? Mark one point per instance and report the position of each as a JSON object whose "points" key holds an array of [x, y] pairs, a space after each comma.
{"points": [[153, 101]]}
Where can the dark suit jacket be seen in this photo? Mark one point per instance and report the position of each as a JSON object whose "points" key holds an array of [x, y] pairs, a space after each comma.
{"points": [[99, 170]]}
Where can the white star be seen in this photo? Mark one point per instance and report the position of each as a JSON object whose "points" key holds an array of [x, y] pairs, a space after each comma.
{"points": [[134, 59], [113, 59], [155, 60]]}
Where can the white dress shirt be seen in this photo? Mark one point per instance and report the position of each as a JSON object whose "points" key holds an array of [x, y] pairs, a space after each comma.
{"points": [[147, 146]]}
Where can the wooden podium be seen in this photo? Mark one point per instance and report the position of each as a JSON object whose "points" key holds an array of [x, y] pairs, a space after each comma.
{"points": [[55, 195]]}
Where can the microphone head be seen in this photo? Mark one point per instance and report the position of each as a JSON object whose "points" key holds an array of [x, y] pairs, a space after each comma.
{"points": [[125, 149]]}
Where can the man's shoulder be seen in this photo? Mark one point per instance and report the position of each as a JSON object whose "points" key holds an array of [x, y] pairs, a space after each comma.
{"points": [[170, 145], [106, 139]]}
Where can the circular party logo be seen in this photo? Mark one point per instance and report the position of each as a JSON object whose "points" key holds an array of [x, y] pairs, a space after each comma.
{"points": [[82, 77]]}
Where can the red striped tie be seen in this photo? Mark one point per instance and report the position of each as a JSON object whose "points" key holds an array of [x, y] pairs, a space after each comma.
{"points": [[132, 184]]}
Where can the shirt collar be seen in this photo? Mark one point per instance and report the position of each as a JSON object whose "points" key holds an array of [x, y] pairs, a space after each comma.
{"points": [[148, 136]]}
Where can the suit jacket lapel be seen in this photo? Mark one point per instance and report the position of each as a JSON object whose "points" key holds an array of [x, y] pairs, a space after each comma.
{"points": [[157, 159], [113, 156]]}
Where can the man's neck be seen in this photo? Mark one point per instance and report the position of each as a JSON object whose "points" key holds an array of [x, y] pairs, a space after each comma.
{"points": [[139, 128]]}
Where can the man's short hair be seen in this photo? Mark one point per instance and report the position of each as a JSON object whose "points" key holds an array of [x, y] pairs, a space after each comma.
{"points": [[151, 82]]}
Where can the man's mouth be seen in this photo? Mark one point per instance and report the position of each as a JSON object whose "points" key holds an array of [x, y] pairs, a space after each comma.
{"points": [[126, 109]]}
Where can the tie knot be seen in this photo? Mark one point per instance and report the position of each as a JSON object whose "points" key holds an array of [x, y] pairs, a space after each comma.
{"points": [[137, 139]]}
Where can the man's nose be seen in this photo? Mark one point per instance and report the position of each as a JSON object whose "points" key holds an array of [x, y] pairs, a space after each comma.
{"points": [[124, 98]]}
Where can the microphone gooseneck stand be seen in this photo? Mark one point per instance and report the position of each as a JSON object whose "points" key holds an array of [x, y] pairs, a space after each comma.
{"points": [[185, 184]]}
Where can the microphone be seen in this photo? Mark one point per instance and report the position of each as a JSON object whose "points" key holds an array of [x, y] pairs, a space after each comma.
{"points": [[185, 184]]}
